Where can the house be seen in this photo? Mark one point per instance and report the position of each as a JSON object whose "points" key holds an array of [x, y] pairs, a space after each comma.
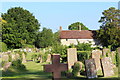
{"points": [[68, 37]]}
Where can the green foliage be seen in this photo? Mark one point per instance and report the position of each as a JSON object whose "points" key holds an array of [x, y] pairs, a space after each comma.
{"points": [[21, 27], [84, 47], [17, 66], [46, 38], [60, 49], [75, 26], [28, 46], [76, 69], [83, 55], [39, 57], [3, 47], [109, 33]]}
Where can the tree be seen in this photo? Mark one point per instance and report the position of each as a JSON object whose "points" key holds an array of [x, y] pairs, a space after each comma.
{"points": [[45, 38], [109, 33], [21, 27], [75, 26]]}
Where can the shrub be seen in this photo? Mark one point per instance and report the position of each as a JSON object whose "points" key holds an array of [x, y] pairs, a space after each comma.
{"points": [[3, 47], [84, 47], [28, 46], [76, 68], [83, 55], [17, 65], [60, 49]]}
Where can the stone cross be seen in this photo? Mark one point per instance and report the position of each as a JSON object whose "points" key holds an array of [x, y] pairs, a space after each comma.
{"points": [[71, 57], [56, 67], [107, 68], [96, 55], [90, 68]]}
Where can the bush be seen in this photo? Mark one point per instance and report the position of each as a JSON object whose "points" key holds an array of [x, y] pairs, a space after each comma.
{"points": [[76, 68], [28, 46], [3, 47], [84, 47], [39, 57], [83, 55], [60, 49], [17, 65]]}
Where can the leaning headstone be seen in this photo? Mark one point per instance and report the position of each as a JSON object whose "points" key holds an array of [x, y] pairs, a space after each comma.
{"points": [[106, 51], [56, 67], [48, 58], [96, 55], [23, 58], [90, 68], [71, 57], [107, 68]]}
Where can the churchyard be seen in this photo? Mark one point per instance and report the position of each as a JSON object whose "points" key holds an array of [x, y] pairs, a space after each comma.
{"points": [[75, 54], [100, 64]]}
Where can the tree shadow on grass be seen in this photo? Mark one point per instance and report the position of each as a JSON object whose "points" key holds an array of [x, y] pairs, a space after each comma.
{"points": [[27, 74], [40, 75]]}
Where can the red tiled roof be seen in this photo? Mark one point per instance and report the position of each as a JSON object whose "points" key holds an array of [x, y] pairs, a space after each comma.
{"points": [[76, 34]]}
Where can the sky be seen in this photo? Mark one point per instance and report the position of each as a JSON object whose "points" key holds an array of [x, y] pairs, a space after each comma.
{"points": [[55, 14]]}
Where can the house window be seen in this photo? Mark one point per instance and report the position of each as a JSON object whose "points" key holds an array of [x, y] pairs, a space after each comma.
{"points": [[66, 39]]}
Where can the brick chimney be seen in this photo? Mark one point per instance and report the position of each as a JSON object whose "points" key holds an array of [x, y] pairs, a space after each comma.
{"points": [[79, 27], [60, 28]]}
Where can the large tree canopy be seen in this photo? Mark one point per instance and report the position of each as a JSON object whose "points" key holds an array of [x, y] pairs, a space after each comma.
{"points": [[45, 38], [21, 27], [109, 33], [75, 26]]}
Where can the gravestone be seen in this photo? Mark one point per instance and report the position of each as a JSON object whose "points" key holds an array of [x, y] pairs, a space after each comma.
{"points": [[105, 52], [23, 58], [48, 58], [6, 66], [5, 57], [96, 55], [107, 68], [113, 57], [56, 67], [13, 57], [71, 57], [90, 68], [17, 56]]}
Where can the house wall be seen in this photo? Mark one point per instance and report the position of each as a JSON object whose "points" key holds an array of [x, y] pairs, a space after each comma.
{"points": [[74, 41]]}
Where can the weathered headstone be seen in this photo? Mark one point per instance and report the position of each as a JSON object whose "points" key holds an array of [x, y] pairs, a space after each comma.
{"points": [[6, 66], [23, 58], [113, 57], [48, 58], [13, 57], [106, 51], [5, 57], [71, 57], [90, 68], [107, 68], [96, 55], [56, 67]]}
